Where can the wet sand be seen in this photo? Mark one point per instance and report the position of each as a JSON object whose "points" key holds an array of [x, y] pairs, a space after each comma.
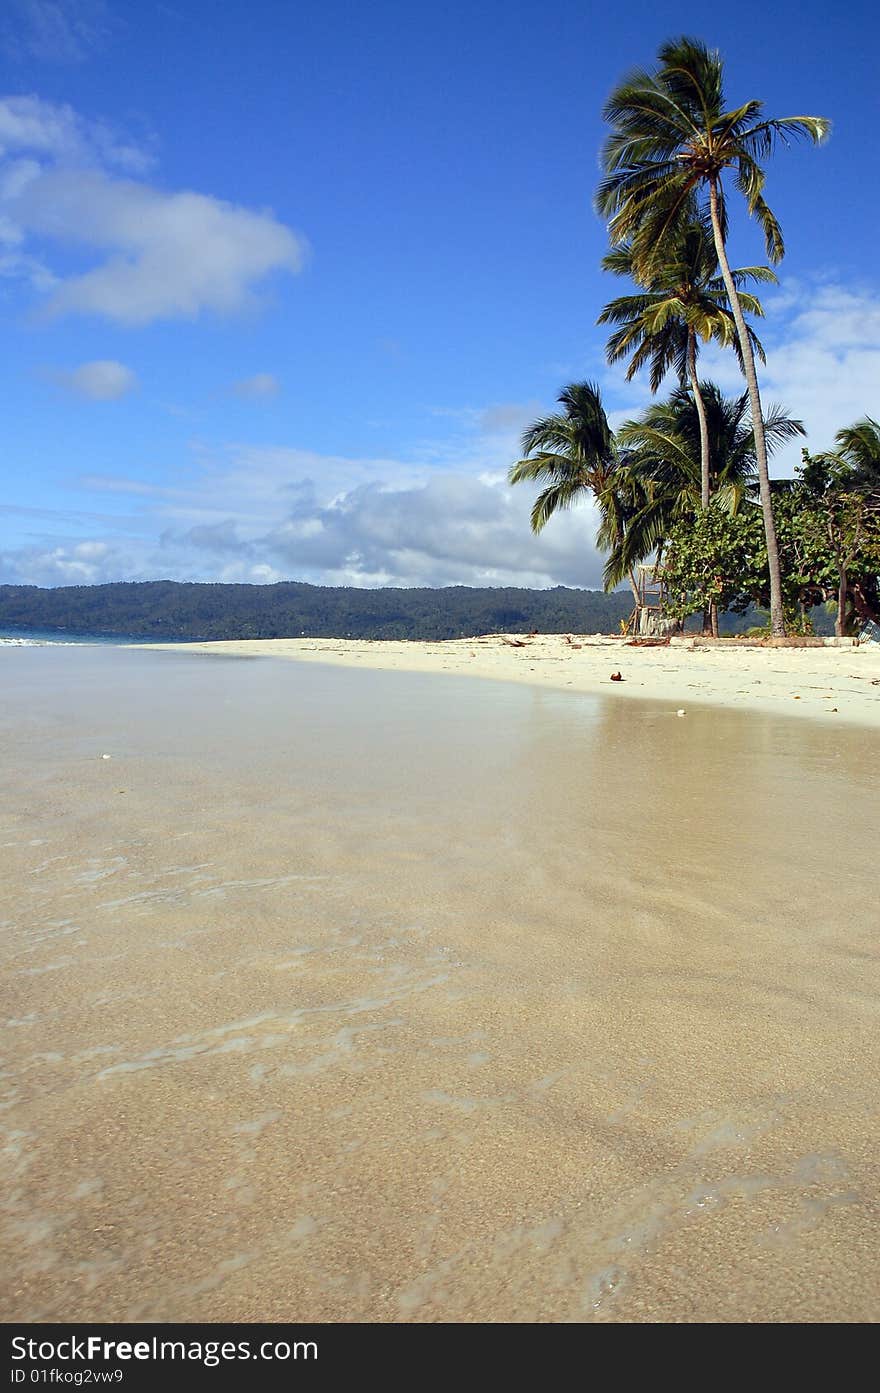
{"points": [[340, 995], [838, 685]]}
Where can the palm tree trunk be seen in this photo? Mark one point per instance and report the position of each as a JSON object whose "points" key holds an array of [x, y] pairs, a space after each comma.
{"points": [[704, 446], [842, 588], [777, 617], [701, 414]]}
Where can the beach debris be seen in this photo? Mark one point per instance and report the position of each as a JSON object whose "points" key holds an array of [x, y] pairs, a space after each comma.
{"points": [[571, 643], [616, 677], [681, 711], [106, 756], [513, 642]]}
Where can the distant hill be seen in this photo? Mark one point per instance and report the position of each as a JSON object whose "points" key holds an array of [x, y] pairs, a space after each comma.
{"points": [[167, 609], [173, 610]]}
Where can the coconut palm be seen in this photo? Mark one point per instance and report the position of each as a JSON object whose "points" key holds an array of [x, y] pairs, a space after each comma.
{"points": [[672, 138], [858, 447], [683, 301], [659, 460], [572, 453]]}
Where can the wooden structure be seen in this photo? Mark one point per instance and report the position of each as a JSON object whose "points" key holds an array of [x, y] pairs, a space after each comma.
{"points": [[648, 619]]}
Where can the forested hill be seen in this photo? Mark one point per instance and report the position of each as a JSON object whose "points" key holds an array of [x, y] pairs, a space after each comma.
{"points": [[172, 610]]}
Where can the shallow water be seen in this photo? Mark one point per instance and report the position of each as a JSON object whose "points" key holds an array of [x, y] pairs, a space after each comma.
{"points": [[365, 996], [25, 637]]}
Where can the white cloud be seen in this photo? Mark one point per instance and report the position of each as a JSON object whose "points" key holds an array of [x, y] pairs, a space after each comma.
{"points": [[56, 31], [823, 361], [258, 387], [18, 266], [446, 530], [102, 380], [34, 130], [443, 516], [158, 255], [79, 563], [509, 418], [443, 512], [170, 255]]}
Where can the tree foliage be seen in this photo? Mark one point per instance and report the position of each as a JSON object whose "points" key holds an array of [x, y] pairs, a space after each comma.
{"points": [[679, 299], [672, 135], [574, 456], [660, 464], [164, 610], [828, 529]]}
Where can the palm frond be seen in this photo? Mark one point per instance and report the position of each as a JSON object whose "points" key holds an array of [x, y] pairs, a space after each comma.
{"points": [[859, 447], [780, 427]]}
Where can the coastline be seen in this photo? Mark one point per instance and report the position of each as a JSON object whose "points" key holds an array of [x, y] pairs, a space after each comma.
{"points": [[824, 683]]}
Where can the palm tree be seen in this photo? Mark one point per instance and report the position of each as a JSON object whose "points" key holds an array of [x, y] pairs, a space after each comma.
{"points": [[858, 447], [573, 455], [672, 136], [684, 300], [659, 459]]}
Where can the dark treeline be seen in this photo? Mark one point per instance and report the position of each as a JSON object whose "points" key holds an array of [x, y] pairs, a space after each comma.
{"points": [[168, 609], [174, 610]]}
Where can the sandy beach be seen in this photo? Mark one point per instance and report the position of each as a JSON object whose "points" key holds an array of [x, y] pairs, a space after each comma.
{"points": [[356, 995], [840, 683]]}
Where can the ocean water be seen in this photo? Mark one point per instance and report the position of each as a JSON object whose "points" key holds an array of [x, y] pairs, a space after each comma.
{"points": [[29, 637], [352, 995]]}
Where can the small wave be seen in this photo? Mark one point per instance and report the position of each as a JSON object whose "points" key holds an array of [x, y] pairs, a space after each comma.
{"points": [[37, 642]]}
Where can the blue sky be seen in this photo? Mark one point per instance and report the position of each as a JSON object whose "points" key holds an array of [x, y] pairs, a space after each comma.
{"points": [[280, 283]]}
